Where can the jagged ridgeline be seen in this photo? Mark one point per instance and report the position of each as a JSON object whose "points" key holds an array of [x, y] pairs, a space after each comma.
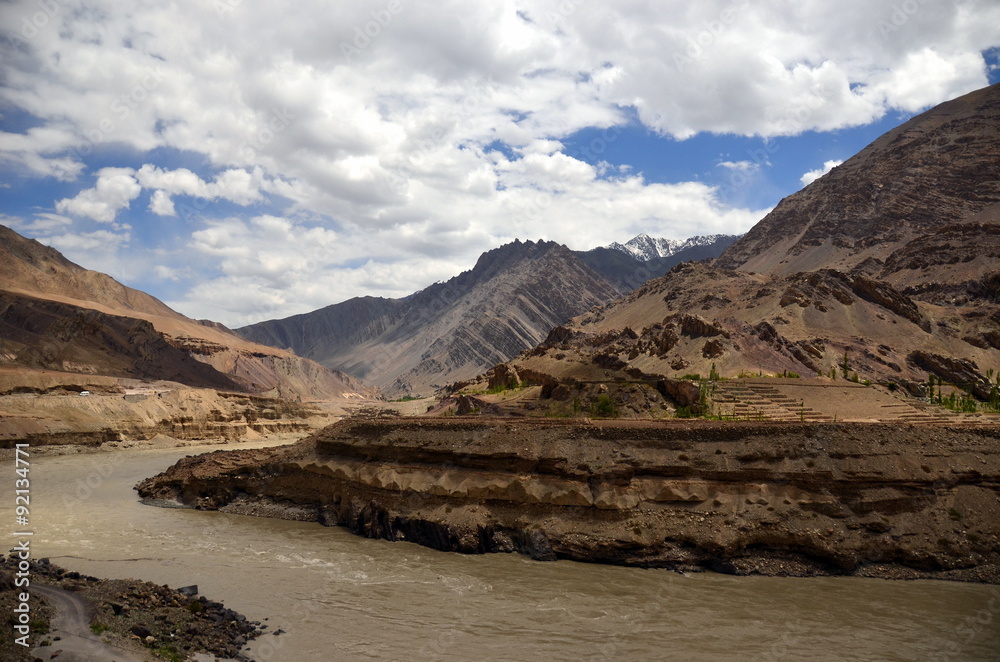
{"points": [[456, 330]]}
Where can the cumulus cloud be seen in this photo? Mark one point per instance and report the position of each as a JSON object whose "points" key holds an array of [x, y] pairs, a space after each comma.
{"points": [[811, 176], [173, 182], [442, 131], [161, 204], [115, 190]]}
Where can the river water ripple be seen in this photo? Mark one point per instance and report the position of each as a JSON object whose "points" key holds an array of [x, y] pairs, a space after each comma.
{"points": [[341, 597]]}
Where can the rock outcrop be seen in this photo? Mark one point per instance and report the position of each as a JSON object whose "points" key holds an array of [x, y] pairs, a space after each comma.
{"points": [[173, 622], [792, 499]]}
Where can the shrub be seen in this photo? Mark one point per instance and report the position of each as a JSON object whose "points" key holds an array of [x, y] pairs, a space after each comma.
{"points": [[605, 407]]}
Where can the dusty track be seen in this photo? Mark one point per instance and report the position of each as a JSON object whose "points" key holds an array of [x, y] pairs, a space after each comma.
{"points": [[72, 625]]}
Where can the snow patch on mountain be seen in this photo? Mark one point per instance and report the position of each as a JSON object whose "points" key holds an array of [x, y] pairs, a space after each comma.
{"points": [[645, 248]]}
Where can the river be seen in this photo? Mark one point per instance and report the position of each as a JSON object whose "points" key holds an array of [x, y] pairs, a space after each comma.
{"points": [[342, 597]]}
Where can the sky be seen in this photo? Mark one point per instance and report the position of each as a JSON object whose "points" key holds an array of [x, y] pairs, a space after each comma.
{"points": [[246, 160]]}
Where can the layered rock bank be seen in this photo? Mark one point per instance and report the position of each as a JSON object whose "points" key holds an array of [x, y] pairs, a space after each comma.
{"points": [[744, 498]]}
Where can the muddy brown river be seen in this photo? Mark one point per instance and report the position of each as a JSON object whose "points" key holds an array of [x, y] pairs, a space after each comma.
{"points": [[341, 597]]}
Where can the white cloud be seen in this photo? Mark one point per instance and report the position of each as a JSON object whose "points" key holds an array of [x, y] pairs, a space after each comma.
{"points": [[42, 224], [89, 241], [115, 190], [235, 185], [174, 182], [238, 186], [386, 155], [811, 176], [229, 86], [161, 204], [740, 166]]}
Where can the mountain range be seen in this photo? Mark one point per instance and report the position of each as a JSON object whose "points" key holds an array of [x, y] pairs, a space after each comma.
{"points": [[886, 269], [452, 331], [57, 315]]}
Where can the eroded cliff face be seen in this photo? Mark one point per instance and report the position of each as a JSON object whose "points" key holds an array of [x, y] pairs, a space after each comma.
{"points": [[742, 498], [112, 414]]}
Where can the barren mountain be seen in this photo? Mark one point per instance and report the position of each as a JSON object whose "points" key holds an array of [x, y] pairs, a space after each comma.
{"points": [[57, 315], [450, 331], [28, 267], [888, 266], [44, 334], [934, 171]]}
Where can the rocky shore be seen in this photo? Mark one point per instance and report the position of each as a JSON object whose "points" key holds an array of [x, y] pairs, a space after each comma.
{"points": [[794, 499], [134, 615]]}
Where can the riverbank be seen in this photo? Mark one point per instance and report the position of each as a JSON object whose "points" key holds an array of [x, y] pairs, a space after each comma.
{"points": [[157, 442], [65, 410], [778, 499], [134, 619]]}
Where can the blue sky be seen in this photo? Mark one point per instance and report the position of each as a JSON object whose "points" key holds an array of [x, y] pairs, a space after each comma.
{"points": [[244, 160]]}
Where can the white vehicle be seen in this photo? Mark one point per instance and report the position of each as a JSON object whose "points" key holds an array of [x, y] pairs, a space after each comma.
{"points": [[84, 394]]}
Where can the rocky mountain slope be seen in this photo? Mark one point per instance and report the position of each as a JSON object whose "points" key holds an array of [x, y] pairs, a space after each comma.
{"points": [[38, 333], [450, 331], [56, 315], [888, 266], [933, 172]]}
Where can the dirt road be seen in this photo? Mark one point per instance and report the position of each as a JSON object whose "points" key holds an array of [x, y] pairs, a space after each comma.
{"points": [[72, 625]]}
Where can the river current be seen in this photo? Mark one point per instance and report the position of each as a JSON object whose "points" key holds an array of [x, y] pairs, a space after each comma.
{"points": [[338, 596]]}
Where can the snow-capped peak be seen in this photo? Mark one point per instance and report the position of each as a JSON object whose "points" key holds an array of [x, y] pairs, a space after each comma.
{"points": [[643, 247]]}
